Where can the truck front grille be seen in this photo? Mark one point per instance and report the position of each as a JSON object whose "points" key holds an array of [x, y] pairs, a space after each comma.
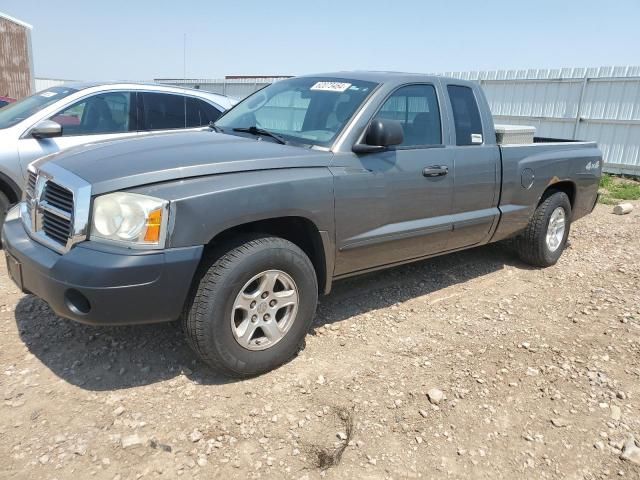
{"points": [[56, 228], [58, 197], [54, 198], [56, 204]]}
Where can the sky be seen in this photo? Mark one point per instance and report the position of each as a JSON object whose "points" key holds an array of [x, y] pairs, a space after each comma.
{"points": [[143, 39]]}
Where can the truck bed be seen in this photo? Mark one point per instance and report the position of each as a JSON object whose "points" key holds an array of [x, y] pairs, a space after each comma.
{"points": [[529, 169]]}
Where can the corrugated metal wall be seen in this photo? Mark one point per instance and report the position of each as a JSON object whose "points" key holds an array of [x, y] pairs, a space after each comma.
{"points": [[601, 104], [236, 88], [16, 76], [44, 83]]}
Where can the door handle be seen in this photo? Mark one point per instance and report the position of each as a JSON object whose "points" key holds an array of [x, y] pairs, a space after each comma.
{"points": [[435, 171]]}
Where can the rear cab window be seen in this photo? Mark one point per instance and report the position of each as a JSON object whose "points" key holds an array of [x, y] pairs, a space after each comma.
{"points": [[466, 116]]}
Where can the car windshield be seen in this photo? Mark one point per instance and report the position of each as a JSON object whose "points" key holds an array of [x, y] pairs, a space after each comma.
{"points": [[16, 112], [307, 110]]}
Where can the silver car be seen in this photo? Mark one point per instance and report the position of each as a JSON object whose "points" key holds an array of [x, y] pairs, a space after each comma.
{"points": [[76, 114]]}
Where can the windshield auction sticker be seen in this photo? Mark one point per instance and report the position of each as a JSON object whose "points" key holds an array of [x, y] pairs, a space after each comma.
{"points": [[331, 86]]}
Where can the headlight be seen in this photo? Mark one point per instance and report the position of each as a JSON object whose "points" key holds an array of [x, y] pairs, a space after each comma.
{"points": [[136, 220]]}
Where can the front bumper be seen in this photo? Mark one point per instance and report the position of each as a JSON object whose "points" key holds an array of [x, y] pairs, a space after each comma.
{"points": [[100, 284]]}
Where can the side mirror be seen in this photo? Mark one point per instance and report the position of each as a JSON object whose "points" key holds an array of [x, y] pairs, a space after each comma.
{"points": [[46, 129], [380, 134]]}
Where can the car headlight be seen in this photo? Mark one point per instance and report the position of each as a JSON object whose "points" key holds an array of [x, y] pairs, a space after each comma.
{"points": [[139, 221]]}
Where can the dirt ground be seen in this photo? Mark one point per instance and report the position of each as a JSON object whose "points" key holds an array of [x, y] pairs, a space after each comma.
{"points": [[539, 372]]}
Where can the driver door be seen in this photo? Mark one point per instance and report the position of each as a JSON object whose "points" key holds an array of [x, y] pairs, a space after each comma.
{"points": [[395, 205]]}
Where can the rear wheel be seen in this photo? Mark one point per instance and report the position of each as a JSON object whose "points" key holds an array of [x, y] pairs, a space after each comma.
{"points": [[544, 239], [252, 306]]}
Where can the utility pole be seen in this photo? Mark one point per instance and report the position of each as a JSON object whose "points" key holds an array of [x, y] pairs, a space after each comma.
{"points": [[184, 57]]}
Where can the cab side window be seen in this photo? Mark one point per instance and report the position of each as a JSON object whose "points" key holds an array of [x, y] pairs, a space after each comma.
{"points": [[163, 111], [466, 115], [103, 113], [416, 108]]}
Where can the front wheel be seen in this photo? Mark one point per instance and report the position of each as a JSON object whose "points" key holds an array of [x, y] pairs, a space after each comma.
{"points": [[252, 306], [544, 239]]}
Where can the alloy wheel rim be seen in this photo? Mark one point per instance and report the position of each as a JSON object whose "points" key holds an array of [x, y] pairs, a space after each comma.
{"points": [[264, 310], [555, 229]]}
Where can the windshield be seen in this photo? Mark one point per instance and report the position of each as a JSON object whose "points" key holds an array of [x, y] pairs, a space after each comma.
{"points": [[307, 110], [16, 112]]}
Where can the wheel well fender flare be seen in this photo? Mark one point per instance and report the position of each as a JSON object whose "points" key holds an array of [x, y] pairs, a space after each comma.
{"points": [[303, 232]]}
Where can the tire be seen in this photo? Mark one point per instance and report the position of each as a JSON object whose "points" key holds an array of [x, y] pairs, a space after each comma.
{"points": [[211, 317], [4, 208], [532, 245]]}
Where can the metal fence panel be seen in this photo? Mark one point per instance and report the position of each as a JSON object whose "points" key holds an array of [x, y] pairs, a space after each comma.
{"points": [[600, 104], [237, 88], [45, 83]]}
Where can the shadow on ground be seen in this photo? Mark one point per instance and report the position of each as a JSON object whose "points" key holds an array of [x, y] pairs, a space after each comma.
{"points": [[112, 358]]}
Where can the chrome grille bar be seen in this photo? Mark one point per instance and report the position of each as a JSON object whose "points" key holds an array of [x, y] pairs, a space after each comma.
{"points": [[56, 207]]}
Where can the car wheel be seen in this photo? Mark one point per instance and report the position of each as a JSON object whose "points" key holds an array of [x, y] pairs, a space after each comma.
{"points": [[544, 239], [252, 305]]}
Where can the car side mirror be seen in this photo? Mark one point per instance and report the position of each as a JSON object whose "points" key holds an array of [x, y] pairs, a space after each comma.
{"points": [[381, 133], [46, 129]]}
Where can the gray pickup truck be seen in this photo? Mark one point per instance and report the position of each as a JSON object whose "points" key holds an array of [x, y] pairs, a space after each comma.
{"points": [[237, 230]]}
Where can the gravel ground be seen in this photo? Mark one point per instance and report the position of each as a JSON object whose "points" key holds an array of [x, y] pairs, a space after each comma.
{"points": [[470, 365]]}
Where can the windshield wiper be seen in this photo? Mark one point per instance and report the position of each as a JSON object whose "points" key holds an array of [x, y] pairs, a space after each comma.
{"points": [[262, 132]]}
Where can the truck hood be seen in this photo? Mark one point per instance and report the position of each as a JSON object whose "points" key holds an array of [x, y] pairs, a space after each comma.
{"points": [[135, 161]]}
